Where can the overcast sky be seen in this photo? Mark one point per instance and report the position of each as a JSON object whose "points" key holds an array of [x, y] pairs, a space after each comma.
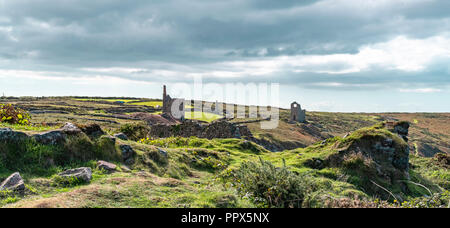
{"points": [[329, 55]]}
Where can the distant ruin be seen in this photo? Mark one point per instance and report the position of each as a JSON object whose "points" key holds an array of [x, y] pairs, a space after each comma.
{"points": [[174, 107], [297, 113]]}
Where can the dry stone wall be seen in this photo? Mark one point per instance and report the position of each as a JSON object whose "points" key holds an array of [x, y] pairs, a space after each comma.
{"points": [[218, 129]]}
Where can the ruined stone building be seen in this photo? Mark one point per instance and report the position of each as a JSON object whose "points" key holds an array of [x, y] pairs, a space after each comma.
{"points": [[175, 107], [297, 113]]}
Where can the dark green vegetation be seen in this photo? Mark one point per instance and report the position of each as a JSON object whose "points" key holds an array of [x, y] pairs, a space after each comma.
{"points": [[331, 171]]}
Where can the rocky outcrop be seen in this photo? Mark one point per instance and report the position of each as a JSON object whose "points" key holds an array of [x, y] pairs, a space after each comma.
{"points": [[50, 138], [92, 130], [163, 152], [70, 129], [385, 155], [6, 134], [82, 174], [189, 128], [57, 136], [128, 154], [54, 137], [400, 128], [13, 183]]}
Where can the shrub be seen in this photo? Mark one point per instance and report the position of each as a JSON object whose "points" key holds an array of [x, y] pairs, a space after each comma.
{"points": [[269, 186], [167, 142], [10, 114], [65, 182], [135, 132], [437, 200]]}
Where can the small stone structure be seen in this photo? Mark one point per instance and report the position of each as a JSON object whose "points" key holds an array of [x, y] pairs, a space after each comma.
{"points": [[168, 103], [297, 113]]}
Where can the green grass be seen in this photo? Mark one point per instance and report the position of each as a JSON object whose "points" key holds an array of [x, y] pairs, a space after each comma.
{"points": [[108, 100], [155, 103], [29, 128], [188, 177], [148, 103], [202, 116]]}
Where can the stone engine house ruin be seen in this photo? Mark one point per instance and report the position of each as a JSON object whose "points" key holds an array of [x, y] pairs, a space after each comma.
{"points": [[297, 113], [174, 107]]}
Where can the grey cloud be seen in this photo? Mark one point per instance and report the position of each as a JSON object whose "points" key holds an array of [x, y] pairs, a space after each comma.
{"points": [[194, 36], [187, 31]]}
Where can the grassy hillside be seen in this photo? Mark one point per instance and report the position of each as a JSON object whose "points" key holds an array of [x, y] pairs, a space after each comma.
{"points": [[325, 169], [197, 173]]}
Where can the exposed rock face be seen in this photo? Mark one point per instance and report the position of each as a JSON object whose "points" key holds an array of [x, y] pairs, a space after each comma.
{"points": [[127, 154], [50, 138], [401, 128], [83, 173], [6, 134], [163, 152], [57, 136], [13, 183], [374, 157], [121, 136], [110, 167], [92, 130]]}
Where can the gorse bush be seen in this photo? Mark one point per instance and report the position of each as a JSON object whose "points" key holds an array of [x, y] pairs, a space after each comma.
{"points": [[269, 186], [10, 114]]}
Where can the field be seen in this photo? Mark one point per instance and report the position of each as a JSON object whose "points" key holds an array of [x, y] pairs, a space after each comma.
{"points": [[197, 172]]}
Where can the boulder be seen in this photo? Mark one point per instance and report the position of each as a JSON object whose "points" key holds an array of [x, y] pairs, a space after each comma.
{"points": [[121, 136], [83, 173], [50, 138], [7, 134], [125, 169], [107, 166], [13, 183], [92, 130], [71, 129], [400, 128], [163, 152]]}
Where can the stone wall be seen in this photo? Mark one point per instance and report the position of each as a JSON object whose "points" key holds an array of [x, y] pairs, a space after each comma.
{"points": [[218, 129]]}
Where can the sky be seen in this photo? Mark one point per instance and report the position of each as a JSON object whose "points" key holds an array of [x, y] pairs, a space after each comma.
{"points": [[328, 55]]}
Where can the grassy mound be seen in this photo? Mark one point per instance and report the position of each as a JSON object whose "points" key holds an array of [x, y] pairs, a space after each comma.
{"points": [[30, 157]]}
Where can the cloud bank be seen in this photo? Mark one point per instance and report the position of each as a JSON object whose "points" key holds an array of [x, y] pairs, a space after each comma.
{"points": [[328, 45]]}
